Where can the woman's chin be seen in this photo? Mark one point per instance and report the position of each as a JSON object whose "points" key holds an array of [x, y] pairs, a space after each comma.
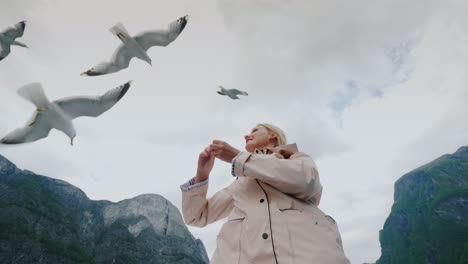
{"points": [[249, 147]]}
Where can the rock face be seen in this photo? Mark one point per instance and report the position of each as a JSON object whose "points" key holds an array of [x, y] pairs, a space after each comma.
{"points": [[45, 220], [429, 218]]}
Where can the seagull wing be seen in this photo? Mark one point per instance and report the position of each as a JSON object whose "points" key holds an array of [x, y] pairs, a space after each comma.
{"points": [[121, 57], [233, 96], [14, 32], [35, 129], [163, 38], [149, 39], [4, 51], [235, 91], [92, 105], [119, 61]]}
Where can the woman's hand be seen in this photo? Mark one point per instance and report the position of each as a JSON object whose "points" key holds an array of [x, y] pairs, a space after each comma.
{"points": [[223, 150], [205, 164]]}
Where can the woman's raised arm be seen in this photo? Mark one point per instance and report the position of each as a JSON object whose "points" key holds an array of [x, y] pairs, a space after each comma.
{"points": [[199, 211], [297, 175]]}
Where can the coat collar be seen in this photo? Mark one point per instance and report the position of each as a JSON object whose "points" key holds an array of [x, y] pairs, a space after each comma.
{"points": [[284, 150]]}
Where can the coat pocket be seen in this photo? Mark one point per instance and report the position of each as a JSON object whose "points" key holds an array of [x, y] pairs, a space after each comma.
{"points": [[228, 241], [311, 231], [309, 214]]}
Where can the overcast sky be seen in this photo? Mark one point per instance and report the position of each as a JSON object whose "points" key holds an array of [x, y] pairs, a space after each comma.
{"points": [[369, 89]]}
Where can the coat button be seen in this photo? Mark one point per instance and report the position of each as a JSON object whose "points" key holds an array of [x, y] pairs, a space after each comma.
{"points": [[262, 200], [265, 235]]}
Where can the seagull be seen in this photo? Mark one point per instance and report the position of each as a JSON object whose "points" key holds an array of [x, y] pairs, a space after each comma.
{"points": [[60, 113], [8, 38], [137, 46], [232, 93]]}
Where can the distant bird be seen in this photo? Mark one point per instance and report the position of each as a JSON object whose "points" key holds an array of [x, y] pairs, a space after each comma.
{"points": [[8, 38], [137, 46], [60, 113], [232, 93]]}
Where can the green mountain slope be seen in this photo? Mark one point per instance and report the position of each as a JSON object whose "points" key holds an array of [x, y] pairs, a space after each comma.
{"points": [[428, 222], [45, 220]]}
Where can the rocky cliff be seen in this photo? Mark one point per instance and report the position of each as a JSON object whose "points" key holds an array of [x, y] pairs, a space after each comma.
{"points": [[45, 220], [428, 222]]}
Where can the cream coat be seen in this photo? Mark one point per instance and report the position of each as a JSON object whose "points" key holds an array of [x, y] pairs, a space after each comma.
{"points": [[272, 212]]}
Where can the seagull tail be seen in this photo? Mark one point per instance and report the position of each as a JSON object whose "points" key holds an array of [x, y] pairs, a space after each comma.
{"points": [[19, 44], [120, 31], [34, 93]]}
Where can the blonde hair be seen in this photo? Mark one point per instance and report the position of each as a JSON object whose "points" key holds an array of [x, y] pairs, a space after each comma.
{"points": [[280, 136]]}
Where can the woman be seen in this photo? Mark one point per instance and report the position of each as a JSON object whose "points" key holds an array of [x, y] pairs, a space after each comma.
{"points": [[271, 206]]}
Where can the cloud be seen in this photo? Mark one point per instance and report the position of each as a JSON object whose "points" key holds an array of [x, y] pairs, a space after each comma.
{"points": [[314, 47]]}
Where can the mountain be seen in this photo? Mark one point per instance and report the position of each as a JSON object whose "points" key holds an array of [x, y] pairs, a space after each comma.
{"points": [[428, 222], [45, 220]]}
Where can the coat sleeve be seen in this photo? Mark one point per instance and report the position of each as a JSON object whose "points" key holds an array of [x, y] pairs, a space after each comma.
{"points": [[199, 211], [297, 176]]}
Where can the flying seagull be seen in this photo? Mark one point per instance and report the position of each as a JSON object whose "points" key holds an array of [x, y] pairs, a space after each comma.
{"points": [[232, 93], [60, 113], [137, 46], [8, 38]]}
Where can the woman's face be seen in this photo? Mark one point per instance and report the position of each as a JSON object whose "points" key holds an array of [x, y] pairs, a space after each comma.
{"points": [[259, 138]]}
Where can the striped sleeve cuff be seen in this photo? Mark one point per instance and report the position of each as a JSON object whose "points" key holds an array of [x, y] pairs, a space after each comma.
{"points": [[234, 163], [191, 184], [238, 162]]}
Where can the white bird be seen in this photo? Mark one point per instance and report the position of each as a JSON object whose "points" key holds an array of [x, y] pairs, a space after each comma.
{"points": [[232, 93], [8, 38], [60, 113], [137, 46]]}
